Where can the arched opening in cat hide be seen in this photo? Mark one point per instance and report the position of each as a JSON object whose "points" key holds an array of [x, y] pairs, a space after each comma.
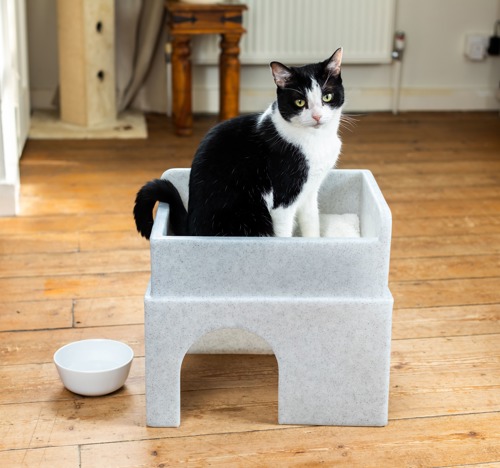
{"points": [[230, 382]]}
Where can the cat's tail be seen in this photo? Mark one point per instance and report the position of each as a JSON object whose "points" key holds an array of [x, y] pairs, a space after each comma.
{"points": [[163, 191]]}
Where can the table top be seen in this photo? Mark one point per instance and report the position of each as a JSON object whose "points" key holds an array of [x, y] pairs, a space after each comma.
{"points": [[175, 6], [214, 18]]}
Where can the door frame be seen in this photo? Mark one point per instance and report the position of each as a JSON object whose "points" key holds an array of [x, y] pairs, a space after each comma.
{"points": [[14, 100]]}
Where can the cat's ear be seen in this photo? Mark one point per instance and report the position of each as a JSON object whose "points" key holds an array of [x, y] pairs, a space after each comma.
{"points": [[281, 74], [334, 62]]}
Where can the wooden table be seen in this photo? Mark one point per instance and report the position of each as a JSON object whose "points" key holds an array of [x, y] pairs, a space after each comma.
{"points": [[186, 20]]}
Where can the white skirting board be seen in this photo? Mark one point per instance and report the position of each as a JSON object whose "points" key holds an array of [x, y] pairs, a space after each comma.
{"points": [[9, 198]]}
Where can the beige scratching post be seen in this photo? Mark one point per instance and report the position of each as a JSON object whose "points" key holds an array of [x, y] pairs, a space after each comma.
{"points": [[86, 35], [86, 32]]}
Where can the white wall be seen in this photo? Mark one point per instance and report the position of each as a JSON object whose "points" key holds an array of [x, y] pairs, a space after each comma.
{"points": [[435, 73]]}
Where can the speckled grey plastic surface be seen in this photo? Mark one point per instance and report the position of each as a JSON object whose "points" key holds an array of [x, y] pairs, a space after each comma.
{"points": [[322, 306]]}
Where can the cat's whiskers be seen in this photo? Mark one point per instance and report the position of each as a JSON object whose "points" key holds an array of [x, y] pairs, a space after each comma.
{"points": [[348, 122]]}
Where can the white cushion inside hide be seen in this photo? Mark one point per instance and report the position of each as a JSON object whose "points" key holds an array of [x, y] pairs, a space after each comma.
{"points": [[339, 225]]}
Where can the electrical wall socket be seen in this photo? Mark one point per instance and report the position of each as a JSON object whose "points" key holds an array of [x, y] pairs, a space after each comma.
{"points": [[476, 46]]}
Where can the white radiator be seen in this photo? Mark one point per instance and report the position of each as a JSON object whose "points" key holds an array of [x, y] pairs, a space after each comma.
{"points": [[303, 31]]}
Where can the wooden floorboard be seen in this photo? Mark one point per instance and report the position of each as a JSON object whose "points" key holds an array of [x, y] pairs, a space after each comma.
{"points": [[73, 267]]}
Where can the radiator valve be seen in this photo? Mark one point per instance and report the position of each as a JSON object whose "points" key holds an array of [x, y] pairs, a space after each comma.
{"points": [[399, 45]]}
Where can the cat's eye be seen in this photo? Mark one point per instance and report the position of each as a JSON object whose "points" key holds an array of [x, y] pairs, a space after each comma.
{"points": [[300, 102], [327, 97]]}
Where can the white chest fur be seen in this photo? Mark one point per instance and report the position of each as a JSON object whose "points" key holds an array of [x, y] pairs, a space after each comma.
{"points": [[321, 147], [320, 144]]}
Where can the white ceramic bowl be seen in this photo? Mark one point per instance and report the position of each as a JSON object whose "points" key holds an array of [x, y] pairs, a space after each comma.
{"points": [[94, 367]]}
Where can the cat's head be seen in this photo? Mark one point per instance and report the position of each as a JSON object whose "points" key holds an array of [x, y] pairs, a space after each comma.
{"points": [[312, 95]]}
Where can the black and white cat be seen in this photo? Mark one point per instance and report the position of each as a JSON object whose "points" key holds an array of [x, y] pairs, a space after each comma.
{"points": [[254, 175]]}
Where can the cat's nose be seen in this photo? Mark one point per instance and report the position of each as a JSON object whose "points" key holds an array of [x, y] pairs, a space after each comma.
{"points": [[316, 117]]}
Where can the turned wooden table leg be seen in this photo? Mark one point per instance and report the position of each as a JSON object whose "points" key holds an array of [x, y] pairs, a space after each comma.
{"points": [[229, 70], [181, 86]]}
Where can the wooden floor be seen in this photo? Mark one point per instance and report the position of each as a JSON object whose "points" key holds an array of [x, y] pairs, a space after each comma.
{"points": [[73, 267]]}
